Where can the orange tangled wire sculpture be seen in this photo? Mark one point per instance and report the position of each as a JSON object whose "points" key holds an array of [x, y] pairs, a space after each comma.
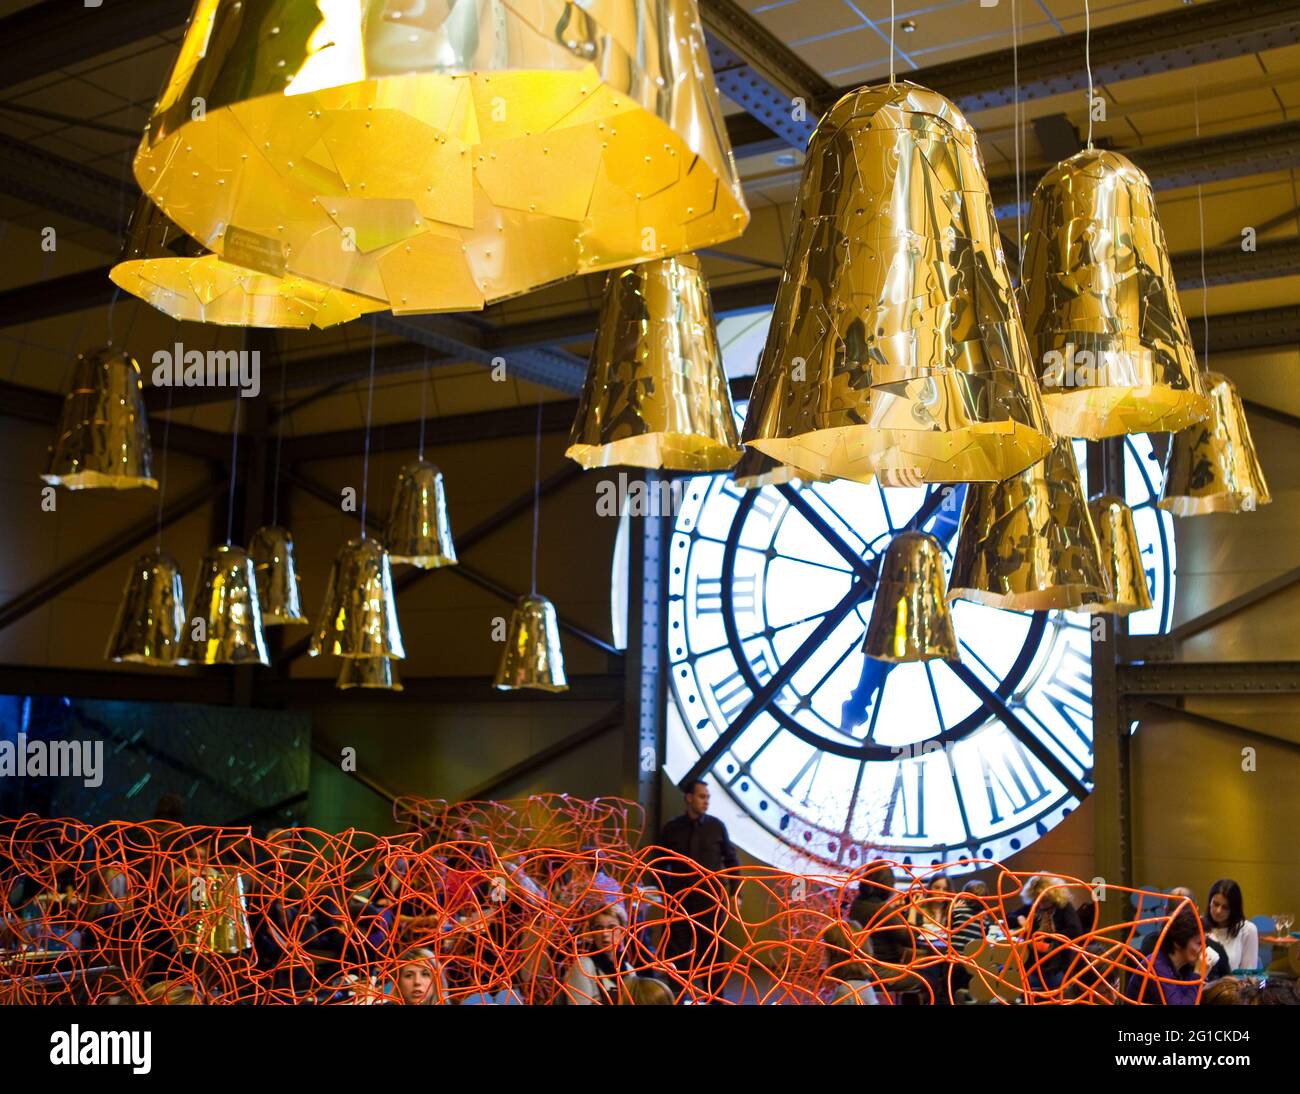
{"points": [[155, 913]]}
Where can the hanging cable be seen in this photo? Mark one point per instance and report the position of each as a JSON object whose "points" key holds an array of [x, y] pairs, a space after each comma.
{"points": [[370, 404], [1017, 133], [424, 381], [162, 473], [1200, 218], [234, 459], [1087, 61], [537, 490], [279, 445], [891, 43]]}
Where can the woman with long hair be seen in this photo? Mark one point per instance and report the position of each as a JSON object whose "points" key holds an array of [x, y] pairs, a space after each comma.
{"points": [[1226, 923]]}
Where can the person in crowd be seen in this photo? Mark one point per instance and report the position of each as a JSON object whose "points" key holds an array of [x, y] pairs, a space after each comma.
{"points": [[1227, 924], [968, 921], [646, 991], [882, 911], [1047, 910], [693, 942], [1231, 991], [1173, 975], [848, 980], [419, 979], [598, 975], [1278, 991], [929, 911], [1216, 957]]}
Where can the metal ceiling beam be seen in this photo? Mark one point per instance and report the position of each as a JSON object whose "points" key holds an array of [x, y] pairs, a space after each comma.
{"points": [[31, 404], [1243, 330], [1210, 678], [458, 690], [56, 34], [55, 297], [1186, 163], [165, 686], [1166, 710], [754, 69], [62, 186]]}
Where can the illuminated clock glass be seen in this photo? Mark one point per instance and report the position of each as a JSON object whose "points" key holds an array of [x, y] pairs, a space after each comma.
{"points": [[841, 757]]}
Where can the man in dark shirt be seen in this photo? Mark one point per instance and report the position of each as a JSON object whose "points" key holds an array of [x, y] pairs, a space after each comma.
{"points": [[693, 944]]}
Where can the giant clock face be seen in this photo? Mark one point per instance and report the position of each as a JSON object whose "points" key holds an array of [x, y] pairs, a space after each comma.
{"points": [[839, 757]]}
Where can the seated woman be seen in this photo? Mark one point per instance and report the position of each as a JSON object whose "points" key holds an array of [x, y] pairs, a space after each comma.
{"points": [[1173, 976], [848, 980], [1227, 924], [598, 975], [1047, 910], [419, 979]]}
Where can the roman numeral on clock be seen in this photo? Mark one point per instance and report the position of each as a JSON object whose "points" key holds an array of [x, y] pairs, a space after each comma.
{"points": [[708, 594]]}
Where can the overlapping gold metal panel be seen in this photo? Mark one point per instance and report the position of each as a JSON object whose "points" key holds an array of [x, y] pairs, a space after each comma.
{"points": [[755, 470], [151, 615], [1212, 466], [532, 657], [656, 394], [169, 271], [910, 620], [102, 439], [225, 621], [1111, 346], [442, 155], [278, 593], [358, 617], [1028, 544], [1121, 558], [419, 532], [368, 672], [217, 922], [895, 347]]}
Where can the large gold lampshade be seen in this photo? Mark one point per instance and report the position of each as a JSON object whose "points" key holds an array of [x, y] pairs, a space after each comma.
{"points": [[271, 550], [895, 347], [656, 395], [419, 532], [218, 914], [171, 272], [1121, 559], [151, 616], [358, 617], [442, 155], [103, 432], [379, 673], [1027, 544], [1212, 466], [754, 470], [225, 621], [1109, 338], [532, 657], [910, 620]]}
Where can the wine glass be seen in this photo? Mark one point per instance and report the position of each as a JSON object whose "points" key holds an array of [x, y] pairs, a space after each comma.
{"points": [[1284, 921]]}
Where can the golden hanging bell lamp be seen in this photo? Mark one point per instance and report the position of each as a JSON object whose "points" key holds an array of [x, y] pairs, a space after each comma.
{"points": [[1028, 544], [169, 271], [271, 550], [656, 395], [1121, 559], [151, 614], [216, 922], [102, 439], [895, 346], [441, 156], [1213, 467], [532, 657], [418, 531], [358, 617], [910, 619], [1111, 345], [225, 621], [379, 673]]}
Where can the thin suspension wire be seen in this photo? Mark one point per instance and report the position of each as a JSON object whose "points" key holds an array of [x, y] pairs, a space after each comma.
{"points": [[424, 383], [891, 43], [537, 490], [279, 445], [1087, 61], [162, 474], [234, 458], [370, 404], [1200, 218], [1017, 133]]}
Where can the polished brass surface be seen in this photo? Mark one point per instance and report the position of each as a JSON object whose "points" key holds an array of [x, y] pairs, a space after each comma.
{"points": [[1121, 559], [169, 271], [532, 657], [754, 470], [895, 347], [102, 439], [1213, 467], [910, 619], [217, 919], [278, 585], [656, 395], [1028, 544], [419, 532], [225, 621], [358, 616], [368, 672], [1111, 346], [151, 614], [442, 155]]}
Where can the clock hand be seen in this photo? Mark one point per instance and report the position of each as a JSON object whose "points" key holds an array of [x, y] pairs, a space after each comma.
{"points": [[870, 684]]}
